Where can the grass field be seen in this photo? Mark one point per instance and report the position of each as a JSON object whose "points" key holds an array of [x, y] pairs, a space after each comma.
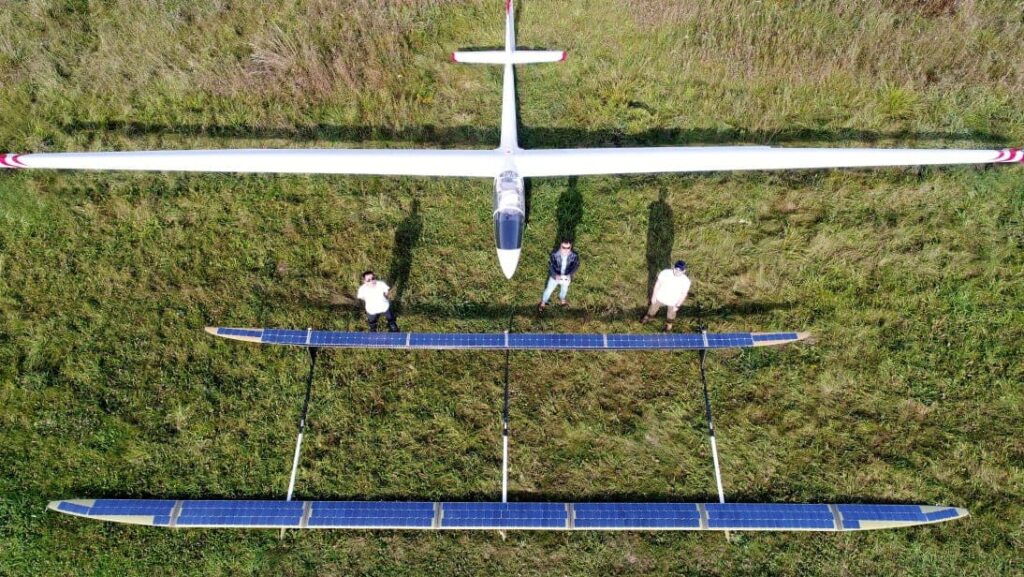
{"points": [[912, 281]]}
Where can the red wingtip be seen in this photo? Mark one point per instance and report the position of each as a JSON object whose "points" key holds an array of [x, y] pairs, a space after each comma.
{"points": [[1010, 155], [453, 57], [10, 160], [508, 6], [564, 56]]}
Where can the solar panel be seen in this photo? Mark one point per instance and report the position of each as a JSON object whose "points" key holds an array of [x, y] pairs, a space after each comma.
{"points": [[636, 516], [507, 341], [209, 513], [541, 516], [382, 514], [769, 516], [883, 516], [504, 516]]}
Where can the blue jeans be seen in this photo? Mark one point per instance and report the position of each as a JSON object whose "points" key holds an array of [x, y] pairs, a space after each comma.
{"points": [[563, 289]]}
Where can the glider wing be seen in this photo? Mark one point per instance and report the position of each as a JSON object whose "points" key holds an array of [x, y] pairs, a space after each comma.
{"points": [[579, 162], [401, 162]]}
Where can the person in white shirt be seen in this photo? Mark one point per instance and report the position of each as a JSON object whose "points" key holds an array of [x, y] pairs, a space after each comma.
{"points": [[670, 291], [374, 293]]}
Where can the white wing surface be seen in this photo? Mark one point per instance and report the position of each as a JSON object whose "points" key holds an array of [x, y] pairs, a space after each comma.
{"points": [[473, 163], [578, 162]]}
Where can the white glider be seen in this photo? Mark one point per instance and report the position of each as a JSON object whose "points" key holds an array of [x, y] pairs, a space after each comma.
{"points": [[508, 164]]}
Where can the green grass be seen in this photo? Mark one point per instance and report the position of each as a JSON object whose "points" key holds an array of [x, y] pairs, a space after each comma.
{"points": [[911, 280]]}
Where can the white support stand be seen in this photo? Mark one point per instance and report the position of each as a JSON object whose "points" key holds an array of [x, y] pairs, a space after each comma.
{"points": [[711, 424], [504, 435], [302, 426], [504, 467]]}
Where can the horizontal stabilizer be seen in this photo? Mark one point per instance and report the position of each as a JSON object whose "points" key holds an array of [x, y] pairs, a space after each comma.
{"points": [[505, 341], [501, 56], [528, 516]]}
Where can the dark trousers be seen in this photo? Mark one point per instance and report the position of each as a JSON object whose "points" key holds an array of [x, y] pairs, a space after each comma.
{"points": [[389, 315]]}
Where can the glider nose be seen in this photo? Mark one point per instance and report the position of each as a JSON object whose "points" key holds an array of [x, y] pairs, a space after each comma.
{"points": [[509, 260], [508, 239]]}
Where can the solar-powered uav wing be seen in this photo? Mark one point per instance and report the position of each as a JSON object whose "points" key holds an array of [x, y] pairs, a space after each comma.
{"points": [[508, 164], [504, 515]]}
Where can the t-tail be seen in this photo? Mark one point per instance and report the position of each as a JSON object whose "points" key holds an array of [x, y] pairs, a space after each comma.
{"points": [[509, 189]]}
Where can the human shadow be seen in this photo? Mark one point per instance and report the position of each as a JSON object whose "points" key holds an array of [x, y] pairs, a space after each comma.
{"points": [[661, 236], [407, 236], [568, 213]]}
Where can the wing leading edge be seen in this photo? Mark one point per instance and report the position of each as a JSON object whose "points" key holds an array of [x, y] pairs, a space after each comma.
{"points": [[398, 162], [580, 162]]}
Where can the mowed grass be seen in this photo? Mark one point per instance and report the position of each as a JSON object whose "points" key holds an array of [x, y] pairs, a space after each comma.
{"points": [[911, 280]]}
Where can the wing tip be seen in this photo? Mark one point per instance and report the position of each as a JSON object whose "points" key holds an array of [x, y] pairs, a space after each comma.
{"points": [[212, 330], [11, 160], [1009, 155]]}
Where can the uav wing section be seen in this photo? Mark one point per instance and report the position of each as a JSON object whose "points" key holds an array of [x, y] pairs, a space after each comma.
{"points": [[401, 162], [583, 161]]}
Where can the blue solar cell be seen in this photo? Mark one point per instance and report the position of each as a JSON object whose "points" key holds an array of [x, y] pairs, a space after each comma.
{"points": [[284, 336], [540, 341], [853, 515], [457, 340], [73, 508], [769, 516], [241, 513], [729, 340], [140, 507], [229, 332], [371, 514], [503, 515], [636, 516], [947, 513], [761, 337]]}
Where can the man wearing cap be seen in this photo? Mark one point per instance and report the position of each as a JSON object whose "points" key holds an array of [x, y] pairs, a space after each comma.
{"points": [[670, 291]]}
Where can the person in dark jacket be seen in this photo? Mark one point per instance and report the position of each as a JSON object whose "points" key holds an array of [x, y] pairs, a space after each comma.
{"points": [[563, 263]]}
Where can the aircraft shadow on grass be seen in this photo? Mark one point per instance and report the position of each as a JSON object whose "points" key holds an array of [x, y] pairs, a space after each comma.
{"points": [[496, 311], [514, 496], [536, 137]]}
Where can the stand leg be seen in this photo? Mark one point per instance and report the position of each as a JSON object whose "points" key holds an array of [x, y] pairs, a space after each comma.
{"points": [[504, 434], [302, 424], [702, 355]]}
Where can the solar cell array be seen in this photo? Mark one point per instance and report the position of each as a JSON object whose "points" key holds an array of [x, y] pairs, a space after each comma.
{"points": [[506, 341], [550, 516]]}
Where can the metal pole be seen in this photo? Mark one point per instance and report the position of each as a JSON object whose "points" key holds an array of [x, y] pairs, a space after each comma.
{"points": [[504, 434], [711, 424], [302, 421]]}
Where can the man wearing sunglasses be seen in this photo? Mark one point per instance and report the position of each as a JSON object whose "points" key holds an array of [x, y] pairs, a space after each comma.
{"points": [[561, 266], [374, 293]]}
